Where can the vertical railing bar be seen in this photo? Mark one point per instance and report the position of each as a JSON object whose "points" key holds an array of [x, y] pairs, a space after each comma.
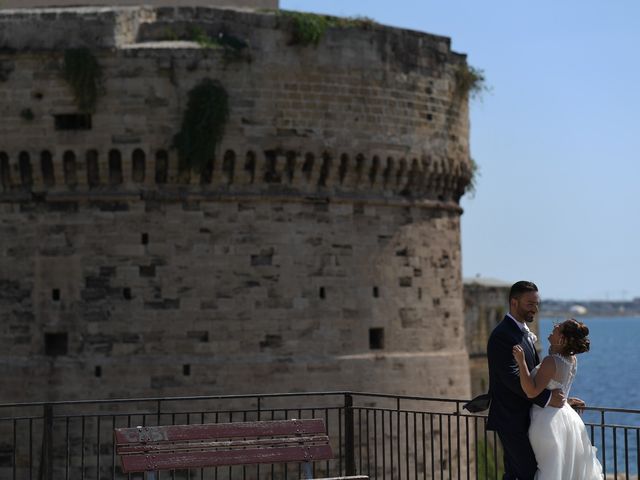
{"points": [[486, 458], [98, 448], [468, 440], [15, 447], [67, 452], [626, 454], [604, 444], [326, 422], [406, 442], [375, 443], [31, 448], [299, 464], [415, 446], [450, 463], [441, 447], [615, 452], [340, 443], [82, 445], [398, 448], [113, 449], [368, 444], [384, 452], [392, 471], [360, 440], [458, 436], [433, 457], [424, 447], [475, 439]]}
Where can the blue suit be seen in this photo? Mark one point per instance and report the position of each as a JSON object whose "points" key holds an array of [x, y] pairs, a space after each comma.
{"points": [[509, 410]]}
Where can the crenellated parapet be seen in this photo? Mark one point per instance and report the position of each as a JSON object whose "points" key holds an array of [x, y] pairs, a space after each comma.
{"points": [[92, 173], [370, 112]]}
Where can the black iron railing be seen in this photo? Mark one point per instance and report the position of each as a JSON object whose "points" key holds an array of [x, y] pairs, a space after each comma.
{"points": [[383, 436]]}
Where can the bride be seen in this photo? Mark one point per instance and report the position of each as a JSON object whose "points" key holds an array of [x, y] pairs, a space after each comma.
{"points": [[558, 436]]}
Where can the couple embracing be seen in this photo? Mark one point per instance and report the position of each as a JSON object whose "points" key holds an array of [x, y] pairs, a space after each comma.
{"points": [[543, 437]]}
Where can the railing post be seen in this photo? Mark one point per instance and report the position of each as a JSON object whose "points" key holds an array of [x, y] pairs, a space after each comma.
{"points": [[46, 457], [349, 439]]}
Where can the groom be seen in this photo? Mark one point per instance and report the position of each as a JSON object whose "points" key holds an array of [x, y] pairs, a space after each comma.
{"points": [[509, 410]]}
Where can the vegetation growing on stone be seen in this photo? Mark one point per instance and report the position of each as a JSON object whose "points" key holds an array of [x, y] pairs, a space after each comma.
{"points": [[203, 125], [470, 81], [309, 28], [473, 177], [233, 48], [82, 72]]}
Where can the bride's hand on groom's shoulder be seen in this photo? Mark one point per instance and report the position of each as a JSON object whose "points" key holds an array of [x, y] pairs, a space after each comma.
{"points": [[577, 404]]}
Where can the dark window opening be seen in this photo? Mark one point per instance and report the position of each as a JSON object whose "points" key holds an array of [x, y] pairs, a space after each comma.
{"points": [[56, 344], [93, 169], [55, 294], [376, 338], [69, 166], [5, 171], [162, 167], [138, 166], [46, 165], [229, 166], [250, 166], [271, 167], [145, 239], [26, 174], [322, 293], [376, 293], [126, 293], [115, 167], [186, 370], [97, 371], [73, 121], [307, 166]]}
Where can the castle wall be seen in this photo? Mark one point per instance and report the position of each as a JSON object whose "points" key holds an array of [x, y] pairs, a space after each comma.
{"points": [[321, 251], [158, 3]]}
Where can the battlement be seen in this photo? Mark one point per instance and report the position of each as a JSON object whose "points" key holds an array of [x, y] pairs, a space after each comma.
{"points": [[73, 3], [93, 173]]}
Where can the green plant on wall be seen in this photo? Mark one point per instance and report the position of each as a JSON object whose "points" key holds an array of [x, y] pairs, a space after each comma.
{"points": [[82, 72], [309, 28], [469, 82], [473, 178], [203, 125]]}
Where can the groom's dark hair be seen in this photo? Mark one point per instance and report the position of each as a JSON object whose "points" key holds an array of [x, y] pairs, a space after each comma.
{"points": [[521, 287]]}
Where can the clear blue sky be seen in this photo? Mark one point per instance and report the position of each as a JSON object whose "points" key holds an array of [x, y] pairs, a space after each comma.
{"points": [[557, 140]]}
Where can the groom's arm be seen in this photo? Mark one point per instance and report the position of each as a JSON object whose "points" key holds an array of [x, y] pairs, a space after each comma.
{"points": [[500, 355]]}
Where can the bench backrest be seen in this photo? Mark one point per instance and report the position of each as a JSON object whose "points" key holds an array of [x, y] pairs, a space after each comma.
{"points": [[219, 444]]}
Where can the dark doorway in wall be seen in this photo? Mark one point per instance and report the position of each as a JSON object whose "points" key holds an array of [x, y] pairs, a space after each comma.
{"points": [[56, 344], [376, 338]]}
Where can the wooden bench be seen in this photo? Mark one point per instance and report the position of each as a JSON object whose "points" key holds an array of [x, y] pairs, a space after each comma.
{"points": [[174, 447]]}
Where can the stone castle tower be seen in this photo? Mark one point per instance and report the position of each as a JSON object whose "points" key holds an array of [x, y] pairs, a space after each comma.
{"points": [[317, 249]]}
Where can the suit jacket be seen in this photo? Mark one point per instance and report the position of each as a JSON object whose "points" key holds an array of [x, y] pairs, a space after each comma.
{"points": [[509, 410]]}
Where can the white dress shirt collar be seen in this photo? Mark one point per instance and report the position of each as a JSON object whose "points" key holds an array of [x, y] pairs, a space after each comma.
{"points": [[522, 326]]}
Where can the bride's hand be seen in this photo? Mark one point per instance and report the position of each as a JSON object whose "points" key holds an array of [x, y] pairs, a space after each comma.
{"points": [[518, 353]]}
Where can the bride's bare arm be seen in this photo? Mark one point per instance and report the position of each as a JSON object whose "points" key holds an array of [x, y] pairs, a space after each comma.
{"points": [[533, 386]]}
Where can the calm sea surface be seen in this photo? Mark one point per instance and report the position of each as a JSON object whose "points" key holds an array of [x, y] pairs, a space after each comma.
{"points": [[609, 376]]}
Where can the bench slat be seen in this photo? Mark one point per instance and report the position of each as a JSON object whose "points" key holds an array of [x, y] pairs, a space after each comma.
{"points": [[218, 445], [171, 433], [171, 461]]}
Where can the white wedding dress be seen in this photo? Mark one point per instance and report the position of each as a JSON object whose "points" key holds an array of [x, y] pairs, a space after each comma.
{"points": [[558, 435]]}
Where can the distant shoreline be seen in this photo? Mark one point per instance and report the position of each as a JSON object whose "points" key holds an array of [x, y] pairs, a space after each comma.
{"points": [[588, 314]]}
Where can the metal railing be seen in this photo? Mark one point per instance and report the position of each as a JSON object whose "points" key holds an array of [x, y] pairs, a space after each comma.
{"points": [[382, 436]]}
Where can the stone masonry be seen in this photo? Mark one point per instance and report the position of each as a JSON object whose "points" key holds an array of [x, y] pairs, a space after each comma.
{"points": [[158, 3], [320, 252]]}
